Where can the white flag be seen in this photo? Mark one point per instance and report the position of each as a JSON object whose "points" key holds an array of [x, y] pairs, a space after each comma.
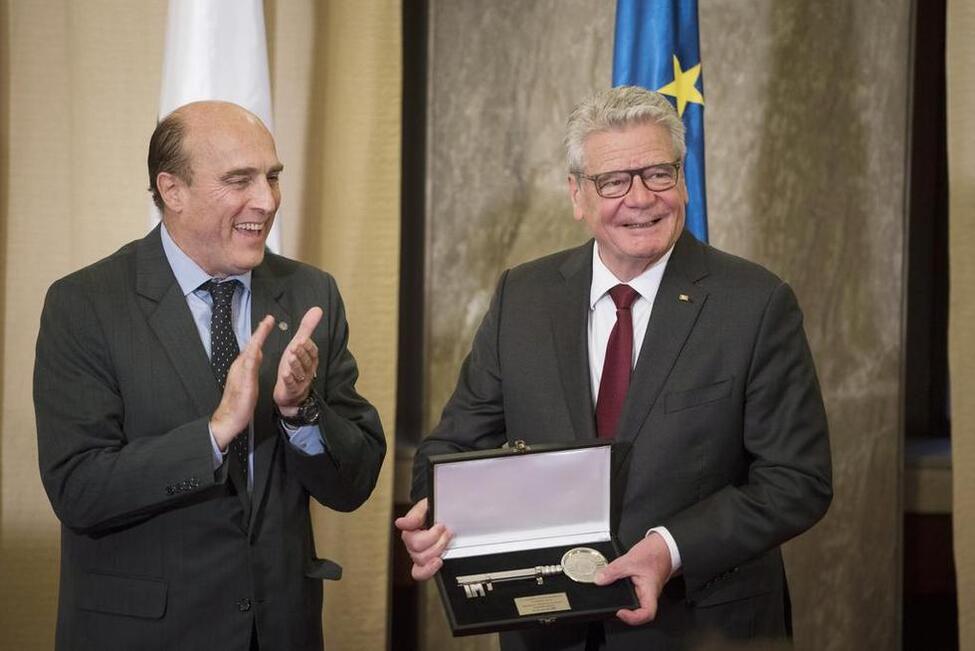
{"points": [[217, 49]]}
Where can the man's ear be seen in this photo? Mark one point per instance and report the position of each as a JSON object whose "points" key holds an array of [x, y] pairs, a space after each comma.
{"points": [[575, 194], [170, 189]]}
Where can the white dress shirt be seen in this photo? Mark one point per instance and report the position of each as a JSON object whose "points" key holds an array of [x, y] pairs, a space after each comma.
{"points": [[190, 276], [602, 318]]}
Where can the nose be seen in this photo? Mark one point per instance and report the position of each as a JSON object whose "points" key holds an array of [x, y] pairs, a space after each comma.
{"points": [[265, 196]]}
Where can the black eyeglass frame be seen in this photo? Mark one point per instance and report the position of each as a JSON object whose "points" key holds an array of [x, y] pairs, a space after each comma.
{"points": [[630, 174]]}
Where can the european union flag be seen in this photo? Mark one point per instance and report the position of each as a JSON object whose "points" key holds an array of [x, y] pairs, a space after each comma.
{"points": [[657, 47]]}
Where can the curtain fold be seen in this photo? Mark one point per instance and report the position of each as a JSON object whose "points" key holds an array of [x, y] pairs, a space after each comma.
{"points": [[338, 118]]}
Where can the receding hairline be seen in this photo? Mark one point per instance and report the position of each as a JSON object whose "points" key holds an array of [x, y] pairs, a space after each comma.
{"points": [[210, 121], [210, 115]]}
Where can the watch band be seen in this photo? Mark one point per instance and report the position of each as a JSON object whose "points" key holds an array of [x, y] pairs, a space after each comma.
{"points": [[308, 414]]}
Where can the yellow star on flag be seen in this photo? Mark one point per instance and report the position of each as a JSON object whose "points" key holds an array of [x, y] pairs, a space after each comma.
{"points": [[683, 87]]}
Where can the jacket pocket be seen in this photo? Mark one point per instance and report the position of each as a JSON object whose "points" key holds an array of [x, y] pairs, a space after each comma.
{"points": [[123, 595], [677, 400], [322, 568], [757, 577]]}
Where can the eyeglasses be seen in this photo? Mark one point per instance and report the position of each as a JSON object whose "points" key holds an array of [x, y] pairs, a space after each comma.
{"points": [[657, 178]]}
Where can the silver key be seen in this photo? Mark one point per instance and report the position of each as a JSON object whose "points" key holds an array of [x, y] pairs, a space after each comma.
{"points": [[579, 564], [474, 584]]}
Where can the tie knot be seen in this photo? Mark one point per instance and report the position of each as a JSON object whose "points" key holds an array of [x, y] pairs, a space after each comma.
{"points": [[623, 296], [222, 293]]}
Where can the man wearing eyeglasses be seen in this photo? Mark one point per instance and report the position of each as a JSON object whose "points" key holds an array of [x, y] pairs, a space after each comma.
{"points": [[693, 360]]}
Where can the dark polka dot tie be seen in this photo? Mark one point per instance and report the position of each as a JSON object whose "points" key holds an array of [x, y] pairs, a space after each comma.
{"points": [[224, 350]]}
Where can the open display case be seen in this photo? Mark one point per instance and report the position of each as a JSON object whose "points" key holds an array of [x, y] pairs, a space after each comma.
{"points": [[531, 528]]}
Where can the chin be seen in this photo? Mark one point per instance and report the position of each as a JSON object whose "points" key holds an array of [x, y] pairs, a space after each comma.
{"points": [[247, 264]]}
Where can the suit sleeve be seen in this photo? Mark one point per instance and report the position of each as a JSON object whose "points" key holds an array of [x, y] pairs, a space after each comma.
{"points": [[345, 474], [95, 477], [474, 416], [789, 479]]}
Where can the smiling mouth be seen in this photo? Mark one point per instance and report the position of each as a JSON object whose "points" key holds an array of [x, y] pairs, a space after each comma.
{"points": [[647, 224], [249, 227]]}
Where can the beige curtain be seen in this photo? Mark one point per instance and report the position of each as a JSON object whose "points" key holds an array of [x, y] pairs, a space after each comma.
{"points": [[337, 82], [79, 86], [961, 341]]}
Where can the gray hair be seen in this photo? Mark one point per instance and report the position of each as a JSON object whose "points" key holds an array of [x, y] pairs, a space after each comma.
{"points": [[618, 108]]}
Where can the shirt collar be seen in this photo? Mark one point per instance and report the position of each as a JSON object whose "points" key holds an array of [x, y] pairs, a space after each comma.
{"points": [[603, 280], [188, 274]]}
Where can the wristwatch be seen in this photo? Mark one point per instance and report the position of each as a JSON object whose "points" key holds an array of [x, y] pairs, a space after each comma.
{"points": [[308, 414]]}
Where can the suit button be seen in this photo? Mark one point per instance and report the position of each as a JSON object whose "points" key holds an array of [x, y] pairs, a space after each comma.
{"points": [[244, 605]]}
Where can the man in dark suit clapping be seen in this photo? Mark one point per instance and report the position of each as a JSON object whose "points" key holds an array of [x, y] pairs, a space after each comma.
{"points": [[192, 391]]}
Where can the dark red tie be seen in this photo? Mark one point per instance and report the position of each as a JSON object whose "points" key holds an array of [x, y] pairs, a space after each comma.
{"points": [[619, 360]]}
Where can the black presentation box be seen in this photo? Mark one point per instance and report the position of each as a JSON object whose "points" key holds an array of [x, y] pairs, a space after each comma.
{"points": [[522, 508]]}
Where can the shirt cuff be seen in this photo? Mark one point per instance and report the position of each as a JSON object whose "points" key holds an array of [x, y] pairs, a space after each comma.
{"points": [[306, 439], [675, 563], [217, 454]]}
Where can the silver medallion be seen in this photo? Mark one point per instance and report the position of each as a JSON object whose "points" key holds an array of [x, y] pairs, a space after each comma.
{"points": [[581, 564]]}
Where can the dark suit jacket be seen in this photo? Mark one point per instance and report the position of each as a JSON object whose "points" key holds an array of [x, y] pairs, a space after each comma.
{"points": [[723, 430], [157, 550]]}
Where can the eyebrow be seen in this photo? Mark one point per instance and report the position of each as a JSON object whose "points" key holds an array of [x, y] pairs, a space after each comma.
{"points": [[640, 169], [250, 171]]}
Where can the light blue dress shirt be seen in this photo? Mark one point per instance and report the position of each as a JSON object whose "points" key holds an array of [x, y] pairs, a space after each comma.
{"points": [[190, 276]]}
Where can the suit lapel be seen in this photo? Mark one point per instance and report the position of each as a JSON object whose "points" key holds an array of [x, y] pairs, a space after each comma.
{"points": [[266, 293], [164, 305], [569, 324], [675, 310]]}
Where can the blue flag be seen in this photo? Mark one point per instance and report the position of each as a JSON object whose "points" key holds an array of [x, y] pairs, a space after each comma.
{"points": [[657, 47]]}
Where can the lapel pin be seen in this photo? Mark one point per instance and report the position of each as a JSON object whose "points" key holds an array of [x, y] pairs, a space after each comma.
{"points": [[282, 325], [684, 298]]}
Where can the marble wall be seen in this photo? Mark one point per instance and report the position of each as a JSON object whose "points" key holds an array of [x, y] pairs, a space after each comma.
{"points": [[806, 149], [503, 78], [806, 123]]}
